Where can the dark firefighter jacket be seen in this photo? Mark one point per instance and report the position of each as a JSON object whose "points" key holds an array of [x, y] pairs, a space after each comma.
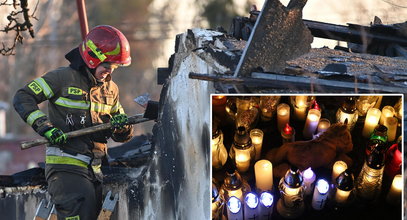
{"points": [[76, 100]]}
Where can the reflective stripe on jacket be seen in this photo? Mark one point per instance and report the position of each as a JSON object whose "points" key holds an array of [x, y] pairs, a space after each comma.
{"points": [[76, 101]]}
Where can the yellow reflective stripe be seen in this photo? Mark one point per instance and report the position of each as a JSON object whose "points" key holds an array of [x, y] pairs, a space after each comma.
{"points": [[96, 50], [99, 107], [76, 217], [97, 168], [34, 116], [117, 108], [115, 51], [69, 103], [45, 87], [51, 159]]}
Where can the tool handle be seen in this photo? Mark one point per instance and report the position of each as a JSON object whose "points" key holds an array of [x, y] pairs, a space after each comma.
{"points": [[132, 120]]}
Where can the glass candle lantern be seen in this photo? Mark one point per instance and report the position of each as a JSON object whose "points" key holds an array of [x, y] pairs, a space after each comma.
{"points": [[377, 140], [348, 112], [243, 103], [394, 194], [311, 124], [242, 151], [344, 186], [218, 105], [283, 115], [364, 103], [369, 182], [288, 134], [216, 201], [233, 185], [257, 140], [263, 170], [247, 118], [387, 111], [291, 203], [219, 152], [300, 107], [251, 204], [371, 121], [266, 205], [268, 106], [320, 194], [234, 208]]}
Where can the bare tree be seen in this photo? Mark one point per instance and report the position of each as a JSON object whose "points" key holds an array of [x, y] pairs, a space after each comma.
{"points": [[20, 12]]}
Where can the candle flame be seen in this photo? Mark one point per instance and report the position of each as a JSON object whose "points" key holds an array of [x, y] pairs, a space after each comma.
{"points": [[288, 129]]}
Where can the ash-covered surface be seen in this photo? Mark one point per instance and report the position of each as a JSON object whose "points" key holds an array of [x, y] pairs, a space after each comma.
{"points": [[363, 67]]}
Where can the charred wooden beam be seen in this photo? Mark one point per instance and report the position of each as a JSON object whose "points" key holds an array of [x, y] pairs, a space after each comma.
{"points": [[296, 83], [356, 33]]}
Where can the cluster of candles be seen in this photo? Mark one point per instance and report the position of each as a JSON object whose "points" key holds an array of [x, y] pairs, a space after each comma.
{"points": [[247, 205], [251, 205]]}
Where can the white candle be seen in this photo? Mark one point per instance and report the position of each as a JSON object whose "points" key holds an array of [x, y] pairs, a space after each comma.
{"points": [[266, 205], [372, 119], [283, 115], [263, 170], [251, 207], [257, 140], [391, 124], [234, 209], [394, 195], [320, 194], [300, 107], [341, 196], [242, 160], [338, 168], [309, 179], [387, 111], [311, 123], [323, 125]]}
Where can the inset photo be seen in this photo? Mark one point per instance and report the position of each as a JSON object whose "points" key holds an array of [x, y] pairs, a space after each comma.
{"points": [[307, 156]]}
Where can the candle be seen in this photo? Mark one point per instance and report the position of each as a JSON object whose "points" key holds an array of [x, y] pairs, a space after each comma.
{"points": [[283, 115], [242, 160], [257, 140], [251, 210], [394, 195], [309, 178], [391, 124], [323, 125], [266, 205], [341, 196], [338, 168], [263, 170], [387, 111], [372, 119], [234, 209], [320, 194], [300, 107], [311, 123], [288, 134]]}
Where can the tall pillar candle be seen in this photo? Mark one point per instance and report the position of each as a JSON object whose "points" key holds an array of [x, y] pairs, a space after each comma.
{"points": [[234, 209], [266, 206], [391, 124], [371, 121], [323, 125], [338, 168], [311, 123], [251, 206], [283, 115], [300, 107], [320, 194], [387, 111], [263, 170], [309, 179], [257, 140]]}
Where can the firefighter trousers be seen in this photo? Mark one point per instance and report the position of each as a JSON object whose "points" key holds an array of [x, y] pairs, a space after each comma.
{"points": [[75, 196]]}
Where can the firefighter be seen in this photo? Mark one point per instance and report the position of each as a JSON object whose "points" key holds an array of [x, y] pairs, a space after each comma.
{"points": [[80, 95]]}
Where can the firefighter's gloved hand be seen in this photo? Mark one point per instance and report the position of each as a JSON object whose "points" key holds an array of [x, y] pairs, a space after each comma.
{"points": [[55, 136], [119, 121]]}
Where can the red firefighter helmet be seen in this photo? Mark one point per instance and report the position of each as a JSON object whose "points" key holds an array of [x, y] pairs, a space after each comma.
{"points": [[105, 43]]}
